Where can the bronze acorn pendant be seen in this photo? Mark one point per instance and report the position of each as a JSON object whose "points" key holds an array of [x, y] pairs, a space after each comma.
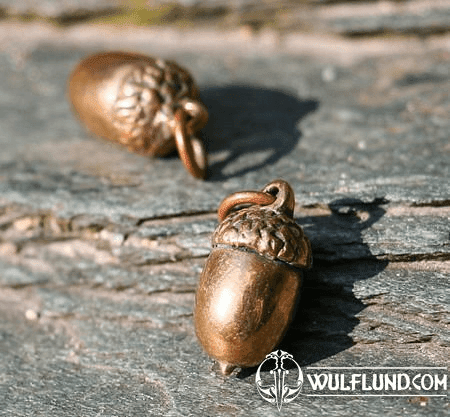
{"points": [[251, 281], [149, 105]]}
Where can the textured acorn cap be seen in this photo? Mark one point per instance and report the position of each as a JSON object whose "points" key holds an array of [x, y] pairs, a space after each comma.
{"points": [[269, 232]]}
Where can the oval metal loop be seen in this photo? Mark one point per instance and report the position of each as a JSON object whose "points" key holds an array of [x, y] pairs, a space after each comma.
{"points": [[285, 197], [241, 198], [278, 195], [197, 112], [190, 149]]}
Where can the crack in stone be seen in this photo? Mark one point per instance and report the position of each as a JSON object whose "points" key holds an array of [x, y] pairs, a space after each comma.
{"points": [[438, 203], [415, 257], [175, 260], [181, 215]]}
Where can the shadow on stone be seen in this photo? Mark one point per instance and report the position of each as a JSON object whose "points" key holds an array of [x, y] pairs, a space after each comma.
{"points": [[425, 78], [250, 127], [327, 310]]}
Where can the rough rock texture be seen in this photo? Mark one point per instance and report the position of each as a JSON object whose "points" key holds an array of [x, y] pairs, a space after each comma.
{"points": [[101, 249], [64, 11], [418, 18]]}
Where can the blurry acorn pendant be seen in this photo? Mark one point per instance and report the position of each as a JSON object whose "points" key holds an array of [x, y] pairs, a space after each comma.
{"points": [[149, 105], [250, 284]]}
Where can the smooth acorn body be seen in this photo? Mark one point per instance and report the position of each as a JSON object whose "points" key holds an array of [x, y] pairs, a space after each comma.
{"points": [[251, 281], [149, 105], [245, 303]]}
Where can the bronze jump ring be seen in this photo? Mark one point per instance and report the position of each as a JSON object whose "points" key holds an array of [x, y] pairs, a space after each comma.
{"points": [[197, 112], [243, 197], [190, 148]]}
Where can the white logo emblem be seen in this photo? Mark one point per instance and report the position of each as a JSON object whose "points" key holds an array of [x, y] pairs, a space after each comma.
{"points": [[279, 392]]}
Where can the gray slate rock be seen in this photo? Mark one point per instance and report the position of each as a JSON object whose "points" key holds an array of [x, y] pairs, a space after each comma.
{"points": [[101, 250], [58, 9], [324, 138]]}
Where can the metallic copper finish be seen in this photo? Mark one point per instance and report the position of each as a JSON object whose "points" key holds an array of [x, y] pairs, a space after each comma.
{"points": [[241, 198], [149, 105], [244, 304], [251, 281]]}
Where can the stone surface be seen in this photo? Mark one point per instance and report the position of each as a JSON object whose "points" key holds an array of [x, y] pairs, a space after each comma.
{"points": [[421, 18], [417, 18], [101, 250], [59, 9], [383, 137]]}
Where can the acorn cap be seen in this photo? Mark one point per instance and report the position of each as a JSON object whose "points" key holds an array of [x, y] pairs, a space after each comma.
{"points": [[269, 230]]}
